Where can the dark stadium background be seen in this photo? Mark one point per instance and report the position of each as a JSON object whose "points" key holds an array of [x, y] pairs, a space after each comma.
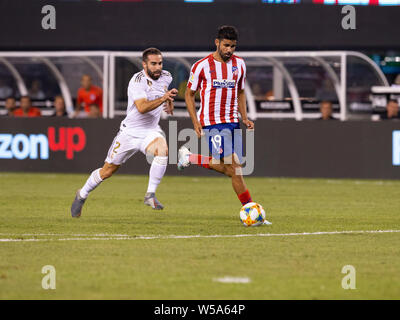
{"points": [[175, 25], [180, 26], [329, 188]]}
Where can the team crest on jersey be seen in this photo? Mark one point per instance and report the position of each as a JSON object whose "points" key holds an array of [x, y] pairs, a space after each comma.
{"points": [[224, 83], [235, 71], [149, 83]]}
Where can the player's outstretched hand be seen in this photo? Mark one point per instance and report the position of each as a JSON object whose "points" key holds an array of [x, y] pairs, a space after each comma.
{"points": [[169, 95], [249, 124]]}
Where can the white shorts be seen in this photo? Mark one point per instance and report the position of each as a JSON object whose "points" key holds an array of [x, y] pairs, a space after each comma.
{"points": [[125, 145]]}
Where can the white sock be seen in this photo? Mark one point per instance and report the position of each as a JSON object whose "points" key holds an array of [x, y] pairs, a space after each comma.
{"points": [[157, 170], [92, 182]]}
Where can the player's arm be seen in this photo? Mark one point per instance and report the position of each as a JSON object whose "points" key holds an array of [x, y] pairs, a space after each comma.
{"points": [[243, 109], [169, 105], [143, 105], [191, 107]]}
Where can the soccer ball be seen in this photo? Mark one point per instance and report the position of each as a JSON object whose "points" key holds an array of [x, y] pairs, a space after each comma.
{"points": [[252, 214]]}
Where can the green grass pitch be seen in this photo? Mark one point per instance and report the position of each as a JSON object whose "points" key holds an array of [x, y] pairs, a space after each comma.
{"points": [[93, 262]]}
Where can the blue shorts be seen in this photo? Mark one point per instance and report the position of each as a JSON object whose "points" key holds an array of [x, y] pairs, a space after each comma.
{"points": [[224, 139]]}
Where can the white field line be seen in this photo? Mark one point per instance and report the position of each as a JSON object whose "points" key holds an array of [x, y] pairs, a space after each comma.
{"points": [[233, 280], [126, 237], [65, 234]]}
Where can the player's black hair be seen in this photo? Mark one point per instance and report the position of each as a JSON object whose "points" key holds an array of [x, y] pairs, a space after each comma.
{"points": [[150, 51], [25, 97], [10, 97], [393, 100], [227, 32]]}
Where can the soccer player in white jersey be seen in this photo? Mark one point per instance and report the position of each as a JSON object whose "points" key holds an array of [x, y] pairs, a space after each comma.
{"points": [[147, 94], [220, 77]]}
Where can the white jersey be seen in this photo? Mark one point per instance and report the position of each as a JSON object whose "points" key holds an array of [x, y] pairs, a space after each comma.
{"points": [[141, 86]]}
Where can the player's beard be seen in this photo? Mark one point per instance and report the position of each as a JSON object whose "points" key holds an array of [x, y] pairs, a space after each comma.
{"points": [[223, 56], [153, 75]]}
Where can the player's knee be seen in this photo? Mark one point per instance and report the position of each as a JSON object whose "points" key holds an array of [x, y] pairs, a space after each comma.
{"points": [[161, 151], [158, 147], [229, 170], [107, 171], [233, 169]]}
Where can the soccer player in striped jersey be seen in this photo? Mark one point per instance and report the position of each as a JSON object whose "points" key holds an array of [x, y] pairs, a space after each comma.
{"points": [[220, 77], [147, 94]]}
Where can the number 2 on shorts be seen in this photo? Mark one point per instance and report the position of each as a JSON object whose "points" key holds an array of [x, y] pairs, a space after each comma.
{"points": [[117, 145]]}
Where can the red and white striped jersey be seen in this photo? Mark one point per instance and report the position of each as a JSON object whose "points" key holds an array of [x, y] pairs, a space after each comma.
{"points": [[219, 84]]}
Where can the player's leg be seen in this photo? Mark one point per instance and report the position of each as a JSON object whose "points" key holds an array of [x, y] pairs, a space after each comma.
{"points": [[120, 150], [229, 166], [225, 143], [94, 180], [185, 158], [97, 177], [219, 138], [232, 160], [159, 149], [233, 169]]}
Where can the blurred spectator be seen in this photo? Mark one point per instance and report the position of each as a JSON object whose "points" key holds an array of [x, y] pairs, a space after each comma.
{"points": [[257, 91], [35, 91], [94, 111], [326, 111], [260, 95], [326, 92], [5, 91], [10, 106], [26, 109], [392, 111], [87, 95], [269, 95], [396, 82], [59, 106]]}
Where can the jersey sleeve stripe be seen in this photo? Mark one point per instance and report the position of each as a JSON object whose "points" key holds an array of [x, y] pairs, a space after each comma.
{"points": [[139, 76], [233, 103], [193, 85], [234, 92], [241, 80], [202, 97], [224, 91], [197, 64]]}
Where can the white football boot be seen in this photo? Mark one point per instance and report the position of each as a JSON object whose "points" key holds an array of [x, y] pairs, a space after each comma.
{"points": [[183, 158]]}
